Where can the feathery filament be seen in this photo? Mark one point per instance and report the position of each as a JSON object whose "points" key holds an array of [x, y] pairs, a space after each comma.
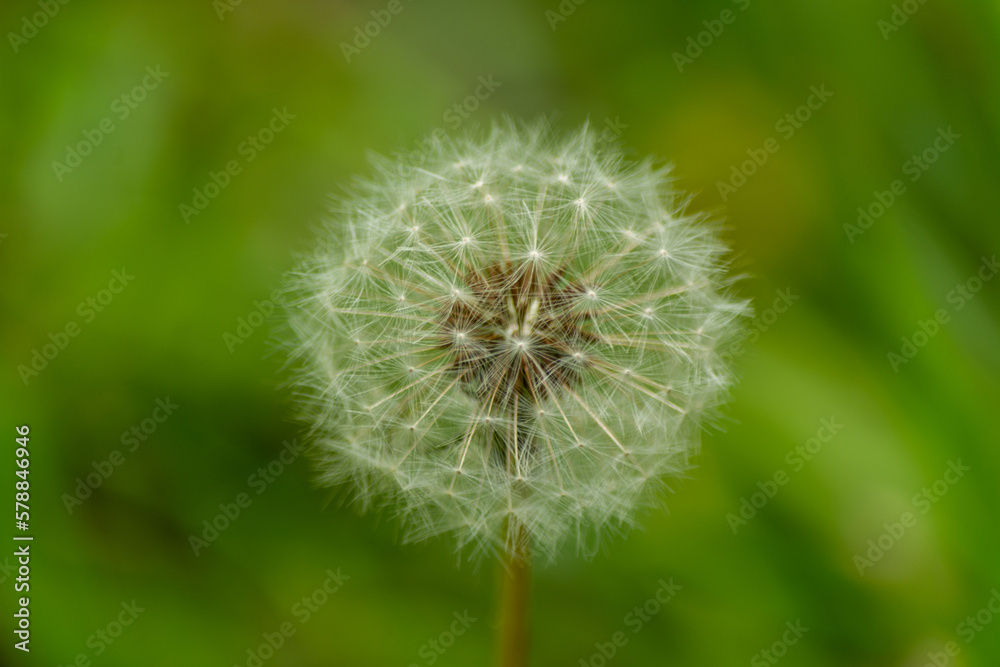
{"points": [[520, 327]]}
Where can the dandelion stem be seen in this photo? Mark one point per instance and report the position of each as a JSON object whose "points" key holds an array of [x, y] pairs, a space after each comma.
{"points": [[516, 590]]}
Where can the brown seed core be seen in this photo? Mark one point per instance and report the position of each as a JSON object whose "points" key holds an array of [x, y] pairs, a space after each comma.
{"points": [[518, 335]]}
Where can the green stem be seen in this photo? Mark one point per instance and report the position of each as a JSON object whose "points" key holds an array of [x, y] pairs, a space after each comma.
{"points": [[515, 596]]}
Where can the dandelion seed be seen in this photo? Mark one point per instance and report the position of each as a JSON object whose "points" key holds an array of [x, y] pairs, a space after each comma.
{"points": [[526, 381]]}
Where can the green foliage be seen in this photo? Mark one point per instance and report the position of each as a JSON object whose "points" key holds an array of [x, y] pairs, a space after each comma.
{"points": [[832, 501]]}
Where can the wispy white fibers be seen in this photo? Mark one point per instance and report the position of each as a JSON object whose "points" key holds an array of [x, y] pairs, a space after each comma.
{"points": [[517, 327]]}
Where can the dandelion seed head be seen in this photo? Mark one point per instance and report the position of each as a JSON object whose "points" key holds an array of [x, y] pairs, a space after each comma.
{"points": [[479, 363]]}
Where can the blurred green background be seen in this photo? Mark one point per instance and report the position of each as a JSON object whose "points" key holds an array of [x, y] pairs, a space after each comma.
{"points": [[855, 293]]}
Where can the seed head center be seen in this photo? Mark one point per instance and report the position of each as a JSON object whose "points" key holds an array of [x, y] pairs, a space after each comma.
{"points": [[520, 333]]}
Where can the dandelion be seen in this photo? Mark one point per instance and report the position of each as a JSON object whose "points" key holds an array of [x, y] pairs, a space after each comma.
{"points": [[515, 341]]}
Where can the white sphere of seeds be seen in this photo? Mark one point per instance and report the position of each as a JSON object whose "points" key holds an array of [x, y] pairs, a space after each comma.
{"points": [[512, 328]]}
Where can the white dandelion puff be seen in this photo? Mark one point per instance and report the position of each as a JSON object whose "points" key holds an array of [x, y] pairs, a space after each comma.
{"points": [[533, 337]]}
